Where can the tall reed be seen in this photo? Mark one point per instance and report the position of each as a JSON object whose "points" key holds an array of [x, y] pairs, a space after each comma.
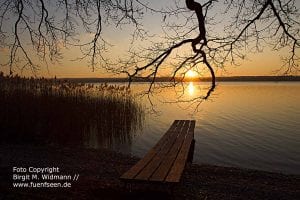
{"points": [[45, 111]]}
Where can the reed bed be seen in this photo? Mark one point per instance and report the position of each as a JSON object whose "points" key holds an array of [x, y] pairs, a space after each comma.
{"points": [[46, 111]]}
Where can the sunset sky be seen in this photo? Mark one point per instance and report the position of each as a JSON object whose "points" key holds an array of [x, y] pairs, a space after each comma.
{"points": [[256, 64]]}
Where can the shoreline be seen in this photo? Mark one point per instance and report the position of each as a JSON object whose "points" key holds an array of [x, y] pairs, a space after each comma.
{"points": [[99, 172], [179, 79]]}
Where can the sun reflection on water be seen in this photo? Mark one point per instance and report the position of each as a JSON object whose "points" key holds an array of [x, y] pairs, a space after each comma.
{"points": [[191, 88]]}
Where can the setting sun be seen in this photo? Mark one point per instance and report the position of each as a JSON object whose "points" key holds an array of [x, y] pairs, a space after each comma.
{"points": [[191, 74]]}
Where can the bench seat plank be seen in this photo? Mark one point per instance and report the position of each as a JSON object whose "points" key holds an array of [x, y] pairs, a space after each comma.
{"points": [[165, 162], [130, 174], [156, 161], [179, 164]]}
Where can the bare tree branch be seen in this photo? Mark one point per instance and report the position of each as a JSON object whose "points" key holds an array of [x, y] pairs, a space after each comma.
{"points": [[196, 35]]}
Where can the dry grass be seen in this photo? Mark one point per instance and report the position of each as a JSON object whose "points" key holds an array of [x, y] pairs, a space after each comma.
{"points": [[45, 111]]}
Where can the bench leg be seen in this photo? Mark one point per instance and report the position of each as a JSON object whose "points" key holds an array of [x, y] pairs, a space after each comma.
{"points": [[171, 191], [127, 186], [191, 151]]}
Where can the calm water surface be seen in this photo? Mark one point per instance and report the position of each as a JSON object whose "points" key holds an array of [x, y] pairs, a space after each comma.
{"points": [[244, 124]]}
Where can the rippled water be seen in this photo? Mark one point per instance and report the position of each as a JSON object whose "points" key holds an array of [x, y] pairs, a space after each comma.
{"points": [[244, 124]]}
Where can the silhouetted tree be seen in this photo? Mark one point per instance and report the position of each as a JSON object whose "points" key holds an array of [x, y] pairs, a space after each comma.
{"points": [[192, 27]]}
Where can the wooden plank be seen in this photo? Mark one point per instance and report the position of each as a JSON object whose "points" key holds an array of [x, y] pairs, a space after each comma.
{"points": [[162, 156], [179, 164], [132, 172], [146, 173], [162, 171]]}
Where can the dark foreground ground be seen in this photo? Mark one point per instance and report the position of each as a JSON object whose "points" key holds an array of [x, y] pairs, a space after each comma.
{"points": [[100, 170]]}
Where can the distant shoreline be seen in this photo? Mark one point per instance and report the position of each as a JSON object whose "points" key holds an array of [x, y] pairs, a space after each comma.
{"points": [[203, 79]]}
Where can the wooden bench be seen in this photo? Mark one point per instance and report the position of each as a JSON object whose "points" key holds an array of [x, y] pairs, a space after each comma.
{"points": [[166, 161]]}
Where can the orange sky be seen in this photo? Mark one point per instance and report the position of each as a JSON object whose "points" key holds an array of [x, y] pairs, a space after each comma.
{"points": [[258, 64]]}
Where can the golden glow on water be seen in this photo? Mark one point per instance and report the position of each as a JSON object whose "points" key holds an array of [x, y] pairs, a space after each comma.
{"points": [[191, 89], [240, 125]]}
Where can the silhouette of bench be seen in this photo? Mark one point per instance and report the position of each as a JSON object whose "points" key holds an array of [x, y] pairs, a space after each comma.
{"points": [[166, 161]]}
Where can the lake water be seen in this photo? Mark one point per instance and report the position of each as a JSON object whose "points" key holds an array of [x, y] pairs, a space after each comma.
{"points": [[252, 125]]}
